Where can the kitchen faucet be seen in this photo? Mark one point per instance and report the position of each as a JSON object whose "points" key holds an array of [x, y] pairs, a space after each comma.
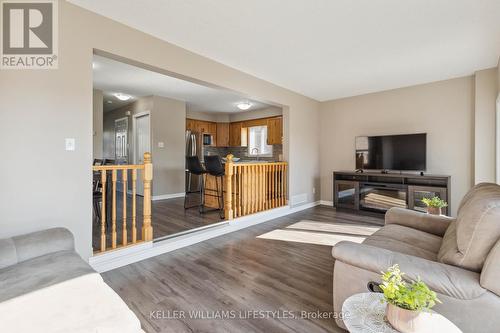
{"points": [[256, 150]]}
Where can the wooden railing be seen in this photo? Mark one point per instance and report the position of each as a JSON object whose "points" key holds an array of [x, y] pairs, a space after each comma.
{"points": [[113, 172], [254, 187]]}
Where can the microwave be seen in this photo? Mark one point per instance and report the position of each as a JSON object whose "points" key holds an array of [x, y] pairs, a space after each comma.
{"points": [[208, 139]]}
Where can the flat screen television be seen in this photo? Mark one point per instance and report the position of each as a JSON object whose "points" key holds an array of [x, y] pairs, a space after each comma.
{"points": [[405, 152]]}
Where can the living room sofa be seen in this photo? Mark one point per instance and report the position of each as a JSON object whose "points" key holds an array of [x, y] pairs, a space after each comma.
{"points": [[458, 258], [47, 287]]}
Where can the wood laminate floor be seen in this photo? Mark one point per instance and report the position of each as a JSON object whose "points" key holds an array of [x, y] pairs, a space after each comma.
{"points": [[240, 273], [168, 218]]}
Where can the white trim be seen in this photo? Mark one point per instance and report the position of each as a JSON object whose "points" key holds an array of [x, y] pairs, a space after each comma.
{"points": [[168, 196], [134, 120], [326, 203], [119, 258]]}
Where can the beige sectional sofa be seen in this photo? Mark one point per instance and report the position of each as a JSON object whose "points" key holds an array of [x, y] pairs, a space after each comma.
{"points": [[459, 258], [47, 287]]}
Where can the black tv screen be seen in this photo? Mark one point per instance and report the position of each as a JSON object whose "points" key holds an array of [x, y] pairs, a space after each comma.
{"points": [[392, 152]]}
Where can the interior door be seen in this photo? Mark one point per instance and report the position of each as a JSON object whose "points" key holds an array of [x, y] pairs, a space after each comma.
{"points": [[142, 143], [121, 141]]}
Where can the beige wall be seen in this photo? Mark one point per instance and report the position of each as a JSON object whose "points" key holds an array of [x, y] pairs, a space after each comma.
{"points": [[168, 121], [208, 116], [444, 110], [256, 114], [498, 76], [59, 191], [97, 122], [497, 141], [485, 93], [168, 124], [233, 117]]}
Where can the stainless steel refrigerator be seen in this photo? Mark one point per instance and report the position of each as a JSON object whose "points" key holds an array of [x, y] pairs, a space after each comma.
{"points": [[194, 147]]}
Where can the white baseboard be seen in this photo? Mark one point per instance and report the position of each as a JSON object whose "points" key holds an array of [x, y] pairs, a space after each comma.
{"points": [[168, 196], [108, 261], [326, 203], [118, 258]]}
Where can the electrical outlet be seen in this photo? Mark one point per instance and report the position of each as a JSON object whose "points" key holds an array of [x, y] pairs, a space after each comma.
{"points": [[70, 144], [161, 145]]}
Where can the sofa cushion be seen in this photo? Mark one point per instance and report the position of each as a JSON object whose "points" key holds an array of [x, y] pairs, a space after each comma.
{"points": [[81, 304], [406, 240], [41, 272], [28, 246], [471, 237]]}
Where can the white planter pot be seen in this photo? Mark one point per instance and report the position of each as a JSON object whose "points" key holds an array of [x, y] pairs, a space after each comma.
{"points": [[434, 210], [406, 321]]}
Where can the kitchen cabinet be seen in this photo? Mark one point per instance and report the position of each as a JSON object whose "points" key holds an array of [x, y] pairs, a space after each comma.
{"points": [[222, 134], [235, 134], [275, 131], [191, 125], [201, 126]]}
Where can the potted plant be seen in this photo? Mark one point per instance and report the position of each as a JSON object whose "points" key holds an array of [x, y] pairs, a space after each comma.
{"points": [[434, 205], [406, 302]]}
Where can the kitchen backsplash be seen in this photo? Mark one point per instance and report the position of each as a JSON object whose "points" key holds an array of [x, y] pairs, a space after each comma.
{"points": [[242, 152]]}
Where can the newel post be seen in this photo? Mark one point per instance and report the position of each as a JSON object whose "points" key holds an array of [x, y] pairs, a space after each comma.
{"points": [[228, 206], [147, 177]]}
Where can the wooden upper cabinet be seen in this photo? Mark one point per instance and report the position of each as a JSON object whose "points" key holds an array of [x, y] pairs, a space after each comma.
{"points": [[222, 134], [212, 128], [275, 131], [191, 125], [235, 134], [201, 126]]}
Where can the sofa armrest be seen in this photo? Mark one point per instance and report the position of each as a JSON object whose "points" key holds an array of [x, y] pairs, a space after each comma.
{"points": [[433, 224], [444, 279], [43, 242], [490, 275]]}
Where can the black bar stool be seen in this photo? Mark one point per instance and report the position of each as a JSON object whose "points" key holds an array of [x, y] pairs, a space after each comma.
{"points": [[214, 167], [195, 168]]}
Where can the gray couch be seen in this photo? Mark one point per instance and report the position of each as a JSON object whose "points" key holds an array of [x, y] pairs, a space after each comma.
{"points": [[47, 287], [459, 258]]}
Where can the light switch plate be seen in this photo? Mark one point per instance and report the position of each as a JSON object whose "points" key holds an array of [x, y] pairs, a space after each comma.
{"points": [[70, 144], [161, 144]]}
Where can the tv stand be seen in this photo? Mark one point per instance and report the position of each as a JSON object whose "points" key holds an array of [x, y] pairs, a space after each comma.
{"points": [[376, 192]]}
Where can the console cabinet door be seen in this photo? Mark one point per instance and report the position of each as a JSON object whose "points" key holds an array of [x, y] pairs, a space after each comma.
{"points": [[346, 194], [417, 193]]}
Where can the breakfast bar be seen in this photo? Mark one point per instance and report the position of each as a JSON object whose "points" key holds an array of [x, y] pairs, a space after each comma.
{"points": [[253, 187]]}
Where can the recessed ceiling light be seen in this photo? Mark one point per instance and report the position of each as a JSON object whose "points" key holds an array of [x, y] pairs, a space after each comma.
{"points": [[244, 105], [122, 97]]}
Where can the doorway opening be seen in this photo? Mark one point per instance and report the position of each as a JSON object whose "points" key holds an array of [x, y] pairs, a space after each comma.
{"points": [[138, 110]]}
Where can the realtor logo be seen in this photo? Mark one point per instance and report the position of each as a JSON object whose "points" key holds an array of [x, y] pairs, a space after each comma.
{"points": [[29, 34]]}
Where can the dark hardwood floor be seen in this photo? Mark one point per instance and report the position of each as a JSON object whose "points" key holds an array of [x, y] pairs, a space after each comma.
{"points": [[168, 218], [238, 272]]}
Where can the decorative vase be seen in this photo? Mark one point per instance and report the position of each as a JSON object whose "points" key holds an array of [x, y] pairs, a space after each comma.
{"points": [[434, 210], [405, 321]]}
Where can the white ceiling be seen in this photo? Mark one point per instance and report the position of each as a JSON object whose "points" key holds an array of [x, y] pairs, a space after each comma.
{"points": [[112, 76], [326, 49]]}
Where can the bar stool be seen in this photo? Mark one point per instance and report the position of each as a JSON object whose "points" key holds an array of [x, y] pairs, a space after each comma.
{"points": [[214, 167], [195, 168]]}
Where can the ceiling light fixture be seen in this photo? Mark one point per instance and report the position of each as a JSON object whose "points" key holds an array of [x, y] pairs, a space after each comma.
{"points": [[122, 97], [244, 105]]}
